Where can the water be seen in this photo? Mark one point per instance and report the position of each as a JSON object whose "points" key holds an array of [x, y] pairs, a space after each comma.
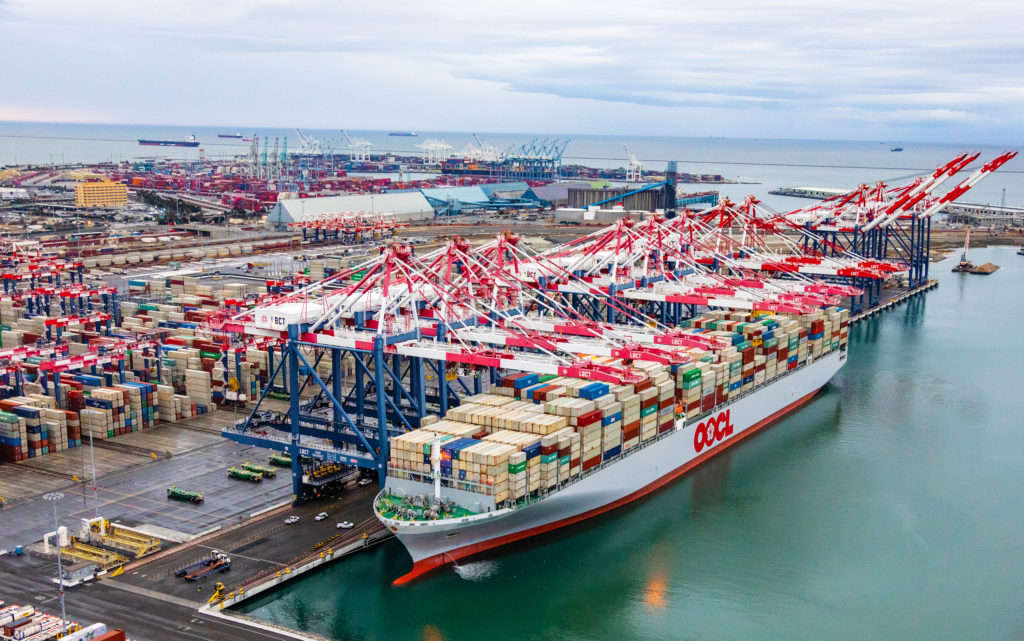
{"points": [[816, 163], [887, 508]]}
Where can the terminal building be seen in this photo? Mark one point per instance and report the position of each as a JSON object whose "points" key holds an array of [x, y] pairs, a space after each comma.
{"points": [[100, 194]]}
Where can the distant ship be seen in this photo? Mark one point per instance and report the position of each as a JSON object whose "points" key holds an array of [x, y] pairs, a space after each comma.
{"points": [[238, 136], [188, 142], [408, 134], [896, 149]]}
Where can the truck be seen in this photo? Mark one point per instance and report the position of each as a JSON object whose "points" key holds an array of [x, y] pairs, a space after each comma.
{"points": [[281, 460], [89, 633], [262, 470], [217, 563], [201, 563], [188, 496], [244, 475]]}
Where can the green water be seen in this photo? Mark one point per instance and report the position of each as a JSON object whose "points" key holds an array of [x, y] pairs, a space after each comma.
{"points": [[890, 507]]}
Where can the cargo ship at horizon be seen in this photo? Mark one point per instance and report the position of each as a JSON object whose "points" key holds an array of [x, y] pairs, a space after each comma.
{"points": [[406, 134], [235, 136], [485, 476], [188, 142]]}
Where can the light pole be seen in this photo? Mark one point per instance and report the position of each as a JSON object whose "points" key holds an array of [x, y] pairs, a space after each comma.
{"points": [[53, 497], [95, 488]]}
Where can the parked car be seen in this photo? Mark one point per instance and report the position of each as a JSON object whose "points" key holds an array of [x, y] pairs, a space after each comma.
{"points": [[365, 481], [320, 517], [291, 519], [346, 525]]}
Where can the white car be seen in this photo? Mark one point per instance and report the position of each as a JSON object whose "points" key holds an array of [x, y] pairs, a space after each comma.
{"points": [[363, 482], [320, 517], [291, 519], [346, 525]]}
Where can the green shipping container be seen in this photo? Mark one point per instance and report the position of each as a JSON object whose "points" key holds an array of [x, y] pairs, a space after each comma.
{"points": [[647, 411], [203, 354], [516, 468]]}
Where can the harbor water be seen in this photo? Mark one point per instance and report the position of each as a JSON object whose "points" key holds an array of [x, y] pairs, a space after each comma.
{"points": [[887, 508]]}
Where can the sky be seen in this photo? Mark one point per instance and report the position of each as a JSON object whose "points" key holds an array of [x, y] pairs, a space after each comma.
{"points": [[860, 70]]}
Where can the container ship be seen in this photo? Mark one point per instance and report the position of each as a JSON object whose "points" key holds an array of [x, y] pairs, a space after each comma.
{"points": [[540, 452], [188, 142], [234, 136], [406, 134], [463, 167]]}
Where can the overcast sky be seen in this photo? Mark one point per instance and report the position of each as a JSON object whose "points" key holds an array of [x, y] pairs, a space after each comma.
{"points": [[941, 71]]}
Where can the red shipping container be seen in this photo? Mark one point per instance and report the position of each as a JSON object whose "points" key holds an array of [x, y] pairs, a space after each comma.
{"points": [[591, 463], [509, 381], [586, 419], [665, 403]]}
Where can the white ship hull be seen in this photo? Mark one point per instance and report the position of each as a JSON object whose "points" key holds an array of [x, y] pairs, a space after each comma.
{"points": [[435, 543]]}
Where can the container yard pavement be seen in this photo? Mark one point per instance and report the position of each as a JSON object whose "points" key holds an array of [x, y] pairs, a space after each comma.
{"points": [[152, 604], [262, 547], [133, 474], [145, 618]]}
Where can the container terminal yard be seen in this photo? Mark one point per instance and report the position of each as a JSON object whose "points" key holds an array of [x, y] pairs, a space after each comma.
{"points": [[182, 402]]}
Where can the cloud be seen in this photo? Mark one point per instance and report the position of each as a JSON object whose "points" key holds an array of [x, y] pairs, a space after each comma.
{"points": [[793, 67]]}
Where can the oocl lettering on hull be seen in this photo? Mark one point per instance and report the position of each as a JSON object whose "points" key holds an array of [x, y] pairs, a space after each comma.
{"points": [[715, 429]]}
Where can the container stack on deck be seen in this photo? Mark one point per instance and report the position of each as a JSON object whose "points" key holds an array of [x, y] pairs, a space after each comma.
{"points": [[556, 427]]}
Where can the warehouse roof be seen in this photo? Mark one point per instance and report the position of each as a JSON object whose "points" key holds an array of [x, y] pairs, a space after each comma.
{"points": [[405, 205], [456, 194], [551, 193], [504, 190]]}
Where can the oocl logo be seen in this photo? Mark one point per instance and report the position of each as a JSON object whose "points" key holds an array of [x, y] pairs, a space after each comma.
{"points": [[713, 430]]}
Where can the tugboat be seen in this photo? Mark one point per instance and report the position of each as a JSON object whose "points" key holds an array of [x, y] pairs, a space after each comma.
{"points": [[1020, 252]]}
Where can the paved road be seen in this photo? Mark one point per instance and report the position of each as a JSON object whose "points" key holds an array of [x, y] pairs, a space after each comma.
{"points": [[263, 546], [144, 617]]}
